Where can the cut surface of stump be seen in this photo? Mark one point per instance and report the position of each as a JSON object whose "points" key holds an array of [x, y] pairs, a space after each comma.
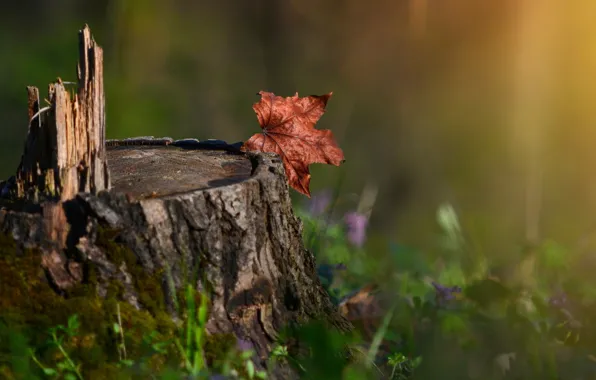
{"points": [[149, 171]]}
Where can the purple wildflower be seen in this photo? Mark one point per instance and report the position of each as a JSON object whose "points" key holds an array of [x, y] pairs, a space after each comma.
{"points": [[559, 300], [244, 345], [340, 266], [356, 224], [319, 202], [445, 293]]}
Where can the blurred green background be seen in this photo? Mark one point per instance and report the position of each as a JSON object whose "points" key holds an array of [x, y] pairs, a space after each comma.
{"points": [[483, 104]]}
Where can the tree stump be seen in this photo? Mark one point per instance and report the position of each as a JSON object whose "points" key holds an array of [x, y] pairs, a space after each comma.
{"points": [[189, 211]]}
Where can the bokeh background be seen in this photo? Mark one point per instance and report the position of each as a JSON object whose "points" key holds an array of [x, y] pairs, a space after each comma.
{"points": [[487, 105]]}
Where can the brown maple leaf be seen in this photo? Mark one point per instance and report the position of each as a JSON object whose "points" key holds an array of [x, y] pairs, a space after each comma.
{"points": [[289, 130]]}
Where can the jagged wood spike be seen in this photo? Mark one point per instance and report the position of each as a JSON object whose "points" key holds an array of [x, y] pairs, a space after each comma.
{"points": [[65, 147]]}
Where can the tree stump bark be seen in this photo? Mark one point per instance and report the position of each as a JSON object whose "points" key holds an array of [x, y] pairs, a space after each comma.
{"points": [[190, 212]]}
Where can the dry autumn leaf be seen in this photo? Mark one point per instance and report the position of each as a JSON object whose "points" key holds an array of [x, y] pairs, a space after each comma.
{"points": [[289, 130]]}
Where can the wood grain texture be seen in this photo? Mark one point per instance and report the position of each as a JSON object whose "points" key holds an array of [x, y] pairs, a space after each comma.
{"points": [[65, 148]]}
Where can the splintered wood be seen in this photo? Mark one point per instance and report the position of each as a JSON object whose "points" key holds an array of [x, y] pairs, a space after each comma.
{"points": [[65, 148]]}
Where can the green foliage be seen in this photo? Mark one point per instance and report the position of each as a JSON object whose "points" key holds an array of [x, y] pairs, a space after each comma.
{"points": [[64, 341], [449, 223], [196, 321], [500, 326], [326, 351], [326, 239], [402, 367], [65, 367]]}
